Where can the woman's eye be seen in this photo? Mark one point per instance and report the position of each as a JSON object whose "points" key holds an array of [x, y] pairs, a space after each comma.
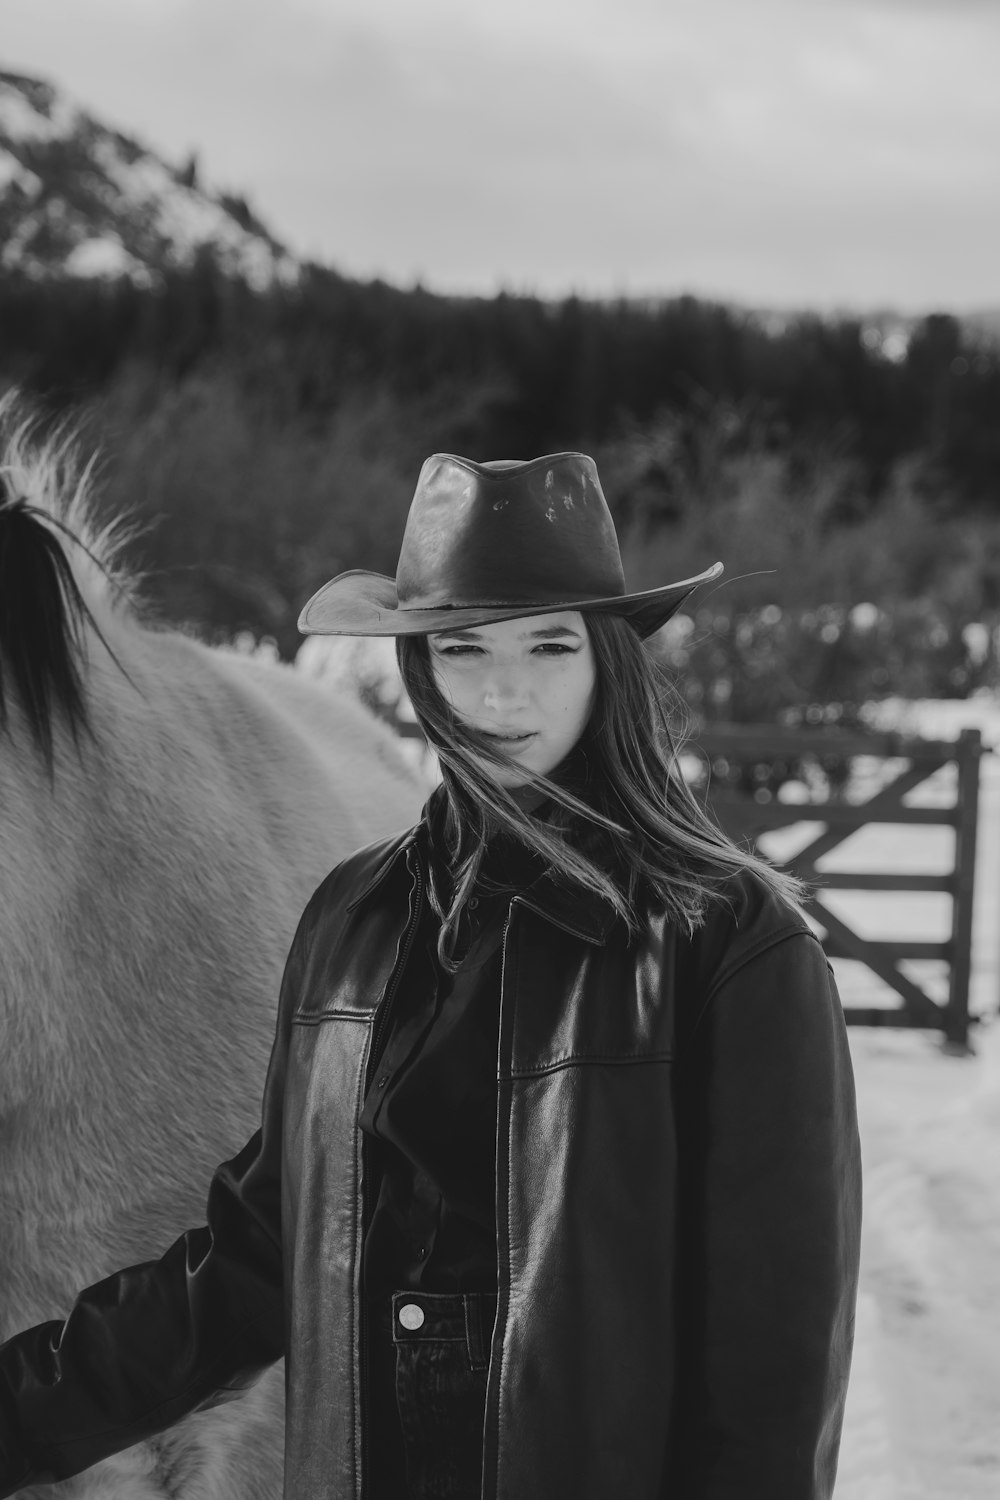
{"points": [[547, 648]]}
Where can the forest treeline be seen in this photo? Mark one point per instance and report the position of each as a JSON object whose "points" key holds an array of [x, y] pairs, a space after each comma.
{"points": [[265, 440]]}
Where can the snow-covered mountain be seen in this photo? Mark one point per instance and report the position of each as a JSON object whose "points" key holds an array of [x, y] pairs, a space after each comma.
{"points": [[80, 199]]}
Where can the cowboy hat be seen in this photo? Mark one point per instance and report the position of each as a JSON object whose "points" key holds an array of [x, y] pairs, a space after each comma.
{"points": [[496, 541]]}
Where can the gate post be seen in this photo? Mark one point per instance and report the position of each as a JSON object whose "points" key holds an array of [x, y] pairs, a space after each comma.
{"points": [[967, 755]]}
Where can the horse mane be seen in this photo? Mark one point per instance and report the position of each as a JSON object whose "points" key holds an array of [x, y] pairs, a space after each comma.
{"points": [[59, 569]]}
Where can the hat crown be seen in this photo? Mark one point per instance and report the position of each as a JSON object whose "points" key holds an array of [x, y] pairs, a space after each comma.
{"points": [[508, 533]]}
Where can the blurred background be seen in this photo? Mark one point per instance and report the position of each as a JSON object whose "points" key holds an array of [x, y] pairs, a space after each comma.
{"points": [[742, 255], [266, 259]]}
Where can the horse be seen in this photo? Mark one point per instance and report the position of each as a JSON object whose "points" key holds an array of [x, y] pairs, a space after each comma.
{"points": [[167, 809]]}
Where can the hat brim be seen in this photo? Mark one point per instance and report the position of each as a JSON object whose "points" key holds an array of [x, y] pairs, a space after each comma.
{"points": [[363, 603]]}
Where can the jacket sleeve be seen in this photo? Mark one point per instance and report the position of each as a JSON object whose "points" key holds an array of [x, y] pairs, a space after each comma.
{"points": [[151, 1343], [770, 1219]]}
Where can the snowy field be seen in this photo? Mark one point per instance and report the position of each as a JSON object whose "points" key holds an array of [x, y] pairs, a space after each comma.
{"points": [[923, 1419]]}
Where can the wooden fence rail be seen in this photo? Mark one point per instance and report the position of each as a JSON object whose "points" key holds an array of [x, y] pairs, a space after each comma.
{"points": [[732, 753]]}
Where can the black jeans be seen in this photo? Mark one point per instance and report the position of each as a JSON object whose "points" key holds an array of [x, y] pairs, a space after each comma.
{"points": [[429, 1354]]}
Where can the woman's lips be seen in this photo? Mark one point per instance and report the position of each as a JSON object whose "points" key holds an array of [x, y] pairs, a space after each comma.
{"points": [[510, 741]]}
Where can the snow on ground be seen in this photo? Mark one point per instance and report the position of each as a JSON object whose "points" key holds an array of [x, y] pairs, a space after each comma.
{"points": [[187, 218], [923, 1419], [132, 184], [103, 255], [47, 117], [12, 171]]}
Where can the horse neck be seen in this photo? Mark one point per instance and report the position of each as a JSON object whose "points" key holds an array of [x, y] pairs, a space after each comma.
{"points": [[107, 874], [117, 1093]]}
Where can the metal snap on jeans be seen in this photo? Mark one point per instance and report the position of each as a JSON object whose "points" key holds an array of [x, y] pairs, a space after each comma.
{"points": [[411, 1316]]}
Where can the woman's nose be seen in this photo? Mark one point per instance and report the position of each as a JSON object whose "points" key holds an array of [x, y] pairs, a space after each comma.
{"points": [[504, 690]]}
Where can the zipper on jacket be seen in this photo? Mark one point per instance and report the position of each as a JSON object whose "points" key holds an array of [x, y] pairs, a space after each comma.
{"points": [[503, 973], [378, 1042], [490, 1481]]}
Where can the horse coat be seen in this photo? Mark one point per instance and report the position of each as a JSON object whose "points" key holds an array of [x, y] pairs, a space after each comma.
{"points": [[167, 809], [678, 1215]]}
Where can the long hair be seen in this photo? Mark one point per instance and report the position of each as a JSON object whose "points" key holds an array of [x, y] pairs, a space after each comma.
{"points": [[624, 823]]}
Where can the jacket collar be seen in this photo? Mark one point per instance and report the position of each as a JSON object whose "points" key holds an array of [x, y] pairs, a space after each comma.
{"points": [[393, 853], [585, 914]]}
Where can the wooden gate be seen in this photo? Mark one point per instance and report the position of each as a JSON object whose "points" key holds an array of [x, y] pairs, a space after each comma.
{"points": [[734, 751]]}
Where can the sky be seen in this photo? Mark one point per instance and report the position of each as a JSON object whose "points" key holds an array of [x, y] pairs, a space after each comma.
{"points": [[833, 154]]}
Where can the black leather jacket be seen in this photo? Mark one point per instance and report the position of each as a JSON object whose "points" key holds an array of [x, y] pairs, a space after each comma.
{"points": [[678, 1210]]}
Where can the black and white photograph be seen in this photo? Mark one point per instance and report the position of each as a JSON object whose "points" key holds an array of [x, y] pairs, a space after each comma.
{"points": [[499, 750]]}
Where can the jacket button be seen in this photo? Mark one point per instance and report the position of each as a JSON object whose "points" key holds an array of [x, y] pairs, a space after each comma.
{"points": [[411, 1316], [473, 902]]}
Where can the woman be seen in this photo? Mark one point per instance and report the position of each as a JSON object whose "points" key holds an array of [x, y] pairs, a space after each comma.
{"points": [[557, 1187]]}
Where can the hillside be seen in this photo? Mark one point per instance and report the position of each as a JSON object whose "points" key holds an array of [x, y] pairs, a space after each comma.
{"points": [[80, 199]]}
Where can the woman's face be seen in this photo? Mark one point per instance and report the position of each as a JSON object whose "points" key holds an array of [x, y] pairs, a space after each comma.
{"points": [[529, 684]]}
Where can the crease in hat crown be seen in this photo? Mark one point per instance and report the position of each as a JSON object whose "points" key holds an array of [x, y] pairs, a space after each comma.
{"points": [[507, 533], [505, 538]]}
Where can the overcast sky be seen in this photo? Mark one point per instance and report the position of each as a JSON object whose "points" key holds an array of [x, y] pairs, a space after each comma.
{"points": [[824, 153]]}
